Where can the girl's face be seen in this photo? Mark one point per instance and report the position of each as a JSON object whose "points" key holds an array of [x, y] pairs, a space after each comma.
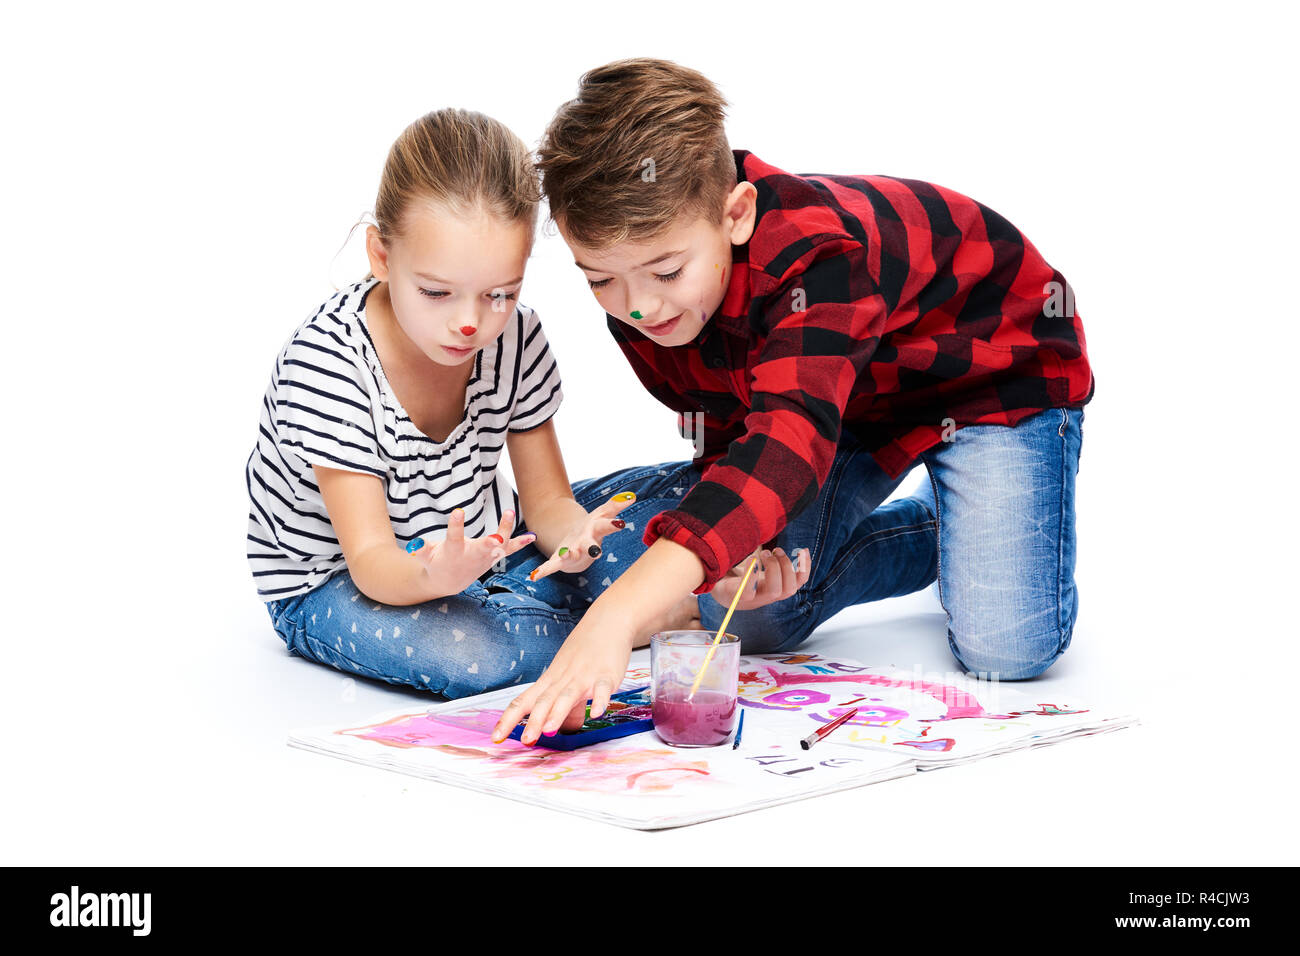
{"points": [[452, 280]]}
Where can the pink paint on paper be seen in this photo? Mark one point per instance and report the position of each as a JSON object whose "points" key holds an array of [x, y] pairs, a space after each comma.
{"points": [[959, 703], [599, 769], [939, 745], [432, 730]]}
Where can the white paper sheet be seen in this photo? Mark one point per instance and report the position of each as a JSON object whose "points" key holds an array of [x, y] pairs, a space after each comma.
{"points": [[906, 721]]}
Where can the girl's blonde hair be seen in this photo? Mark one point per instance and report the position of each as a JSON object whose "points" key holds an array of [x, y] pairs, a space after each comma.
{"points": [[462, 160]]}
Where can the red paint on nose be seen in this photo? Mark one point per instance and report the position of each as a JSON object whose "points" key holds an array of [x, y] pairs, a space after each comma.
{"points": [[467, 330]]}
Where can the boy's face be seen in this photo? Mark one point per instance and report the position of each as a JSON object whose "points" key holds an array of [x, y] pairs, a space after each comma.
{"points": [[668, 288]]}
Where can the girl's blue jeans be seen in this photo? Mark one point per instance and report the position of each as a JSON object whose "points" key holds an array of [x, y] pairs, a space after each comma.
{"points": [[994, 524], [501, 630]]}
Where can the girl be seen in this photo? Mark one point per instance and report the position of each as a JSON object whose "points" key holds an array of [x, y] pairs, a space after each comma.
{"points": [[383, 536]]}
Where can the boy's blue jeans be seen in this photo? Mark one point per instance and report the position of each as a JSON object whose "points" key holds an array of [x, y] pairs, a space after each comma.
{"points": [[994, 523]]}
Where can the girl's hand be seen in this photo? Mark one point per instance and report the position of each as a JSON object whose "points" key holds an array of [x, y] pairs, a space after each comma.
{"points": [[456, 562], [774, 579], [581, 545]]}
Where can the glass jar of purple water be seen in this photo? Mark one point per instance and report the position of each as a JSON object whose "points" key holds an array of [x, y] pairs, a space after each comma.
{"points": [[707, 717]]}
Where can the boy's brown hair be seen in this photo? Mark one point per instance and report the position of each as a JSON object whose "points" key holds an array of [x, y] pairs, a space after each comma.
{"points": [[641, 145]]}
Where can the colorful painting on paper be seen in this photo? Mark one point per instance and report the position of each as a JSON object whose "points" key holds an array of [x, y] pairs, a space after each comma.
{"points": [[609, 768], [927, 715], [904, 722]]}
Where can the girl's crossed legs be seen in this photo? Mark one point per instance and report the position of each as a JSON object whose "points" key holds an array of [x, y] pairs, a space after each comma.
{"points": [[500, 631]]}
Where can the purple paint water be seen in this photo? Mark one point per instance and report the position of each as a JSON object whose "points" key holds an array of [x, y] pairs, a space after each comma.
{"points": [[705, 721]]}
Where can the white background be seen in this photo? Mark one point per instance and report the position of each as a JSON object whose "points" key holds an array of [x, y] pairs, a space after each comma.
{"points": [[177, 183]]}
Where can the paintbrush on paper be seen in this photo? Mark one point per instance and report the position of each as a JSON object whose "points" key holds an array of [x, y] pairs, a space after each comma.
{"points": [[825, 730], [740, 728], [722, 630]]}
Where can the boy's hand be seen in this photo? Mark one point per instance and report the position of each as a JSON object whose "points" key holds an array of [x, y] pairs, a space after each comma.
{"points": [[774, 579], [591, 663], [581, 545], [456, 562]]}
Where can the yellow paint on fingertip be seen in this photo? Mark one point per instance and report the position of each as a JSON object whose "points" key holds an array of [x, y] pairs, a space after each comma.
{"points": [[625, 496]]}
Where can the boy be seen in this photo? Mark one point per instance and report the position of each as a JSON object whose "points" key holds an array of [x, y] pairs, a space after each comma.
{"points": [[823, 335]]}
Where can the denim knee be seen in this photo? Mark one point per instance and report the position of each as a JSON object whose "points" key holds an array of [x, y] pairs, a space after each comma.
{"points": [[455, 646], [1017, 652]]}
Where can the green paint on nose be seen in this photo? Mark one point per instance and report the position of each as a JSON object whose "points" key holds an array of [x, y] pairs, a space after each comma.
{"points": [[637, 316]]}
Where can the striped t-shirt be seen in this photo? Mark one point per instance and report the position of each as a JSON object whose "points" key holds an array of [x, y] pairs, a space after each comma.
{"points": [[329, 403]]}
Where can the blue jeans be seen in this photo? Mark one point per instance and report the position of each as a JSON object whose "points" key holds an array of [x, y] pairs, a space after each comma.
{"points": [[994, 524], [501, 630]]}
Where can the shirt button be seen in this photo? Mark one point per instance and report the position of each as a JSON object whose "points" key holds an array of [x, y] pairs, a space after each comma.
{"points": [[716, 363]]}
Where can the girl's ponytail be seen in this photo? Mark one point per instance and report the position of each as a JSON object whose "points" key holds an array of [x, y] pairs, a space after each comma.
{"points": [[462, 160], [459, 159]]}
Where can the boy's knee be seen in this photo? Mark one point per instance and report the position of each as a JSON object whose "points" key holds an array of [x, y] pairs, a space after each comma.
{"points": [[1009, 654], [1014, 632], [764, 630]]}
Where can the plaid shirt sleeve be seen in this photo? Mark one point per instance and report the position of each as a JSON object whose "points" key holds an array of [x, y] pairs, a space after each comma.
{"points": [[824, 318]]}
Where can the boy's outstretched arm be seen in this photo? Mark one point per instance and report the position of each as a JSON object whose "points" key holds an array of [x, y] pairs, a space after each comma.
{"points": [[593, 660]]}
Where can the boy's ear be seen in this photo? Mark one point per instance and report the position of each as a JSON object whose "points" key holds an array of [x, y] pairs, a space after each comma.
{"points": [[739, 213], [377, 254]]}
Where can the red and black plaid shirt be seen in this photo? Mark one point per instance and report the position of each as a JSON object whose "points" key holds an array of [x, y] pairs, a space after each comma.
{"points": [[891, 309]]}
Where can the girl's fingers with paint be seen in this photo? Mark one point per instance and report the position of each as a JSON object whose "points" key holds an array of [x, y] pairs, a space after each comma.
{"points": [[775, 578], [456, 561], [501, 537], [582, 545]]}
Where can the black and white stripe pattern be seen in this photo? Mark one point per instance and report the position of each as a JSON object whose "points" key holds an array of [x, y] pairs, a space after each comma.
{"points": [[330, 404]]}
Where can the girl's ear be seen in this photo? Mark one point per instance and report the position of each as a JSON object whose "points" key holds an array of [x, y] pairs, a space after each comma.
{"points": [[377, 253]]}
